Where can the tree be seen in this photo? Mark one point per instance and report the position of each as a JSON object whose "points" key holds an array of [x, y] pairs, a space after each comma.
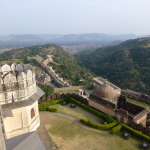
{"points": [[67, 98], [47, 89]]}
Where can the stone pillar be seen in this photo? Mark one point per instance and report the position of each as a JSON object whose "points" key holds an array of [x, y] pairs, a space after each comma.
{"points": [[80, 92]]}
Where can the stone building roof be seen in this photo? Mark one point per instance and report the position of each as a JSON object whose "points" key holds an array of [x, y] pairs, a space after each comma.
{"points": [[104, 91]]}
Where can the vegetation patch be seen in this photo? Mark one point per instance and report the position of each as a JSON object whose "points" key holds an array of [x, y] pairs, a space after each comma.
{"points": [[45, 106], [99, 126], [52, 109], [48, 90], [116, 129]]}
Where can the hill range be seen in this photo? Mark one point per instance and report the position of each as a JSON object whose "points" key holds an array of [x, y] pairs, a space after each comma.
{"points": [[94, 39], [127, 65]]}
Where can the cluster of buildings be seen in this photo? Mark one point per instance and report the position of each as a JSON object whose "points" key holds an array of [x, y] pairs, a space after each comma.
{"points": [[108, 99]]}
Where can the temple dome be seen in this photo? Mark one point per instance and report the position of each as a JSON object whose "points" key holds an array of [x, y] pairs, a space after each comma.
{"points": [[104, 91]]}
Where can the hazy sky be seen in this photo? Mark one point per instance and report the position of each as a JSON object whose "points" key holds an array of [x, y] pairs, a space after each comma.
{"points": [[74, 16]]}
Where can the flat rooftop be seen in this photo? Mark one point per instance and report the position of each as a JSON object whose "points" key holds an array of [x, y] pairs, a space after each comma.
{"points": [[101, 81]]}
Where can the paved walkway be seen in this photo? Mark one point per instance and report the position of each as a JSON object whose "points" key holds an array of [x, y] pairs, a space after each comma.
{"points": [[77, 121]]}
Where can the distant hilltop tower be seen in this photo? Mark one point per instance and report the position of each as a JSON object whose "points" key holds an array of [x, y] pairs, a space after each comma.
{"points": [[18, 99]]}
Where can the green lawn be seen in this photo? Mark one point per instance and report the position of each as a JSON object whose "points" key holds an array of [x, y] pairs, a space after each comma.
{"points": [[78, 112], [71, 136], [139, 103]]}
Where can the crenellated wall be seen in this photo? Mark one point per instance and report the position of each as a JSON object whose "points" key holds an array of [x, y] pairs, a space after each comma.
{"points": [[17, 83]]}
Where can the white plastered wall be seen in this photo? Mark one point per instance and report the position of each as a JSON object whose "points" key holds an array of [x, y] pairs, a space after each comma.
{"points": [[21, 121]]}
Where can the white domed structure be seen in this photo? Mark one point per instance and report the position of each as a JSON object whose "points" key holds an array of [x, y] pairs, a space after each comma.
{"points": [[19, 99]]}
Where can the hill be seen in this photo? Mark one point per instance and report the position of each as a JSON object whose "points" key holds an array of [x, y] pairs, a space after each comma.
{"points": [[127, 65], [64, 64]]}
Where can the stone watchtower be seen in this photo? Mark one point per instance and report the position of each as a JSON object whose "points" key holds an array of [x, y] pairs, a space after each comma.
{"points": [[19, 99]]}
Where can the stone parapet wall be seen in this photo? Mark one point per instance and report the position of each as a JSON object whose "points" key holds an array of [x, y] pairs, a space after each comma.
{"points": [[100, 81], [138, 96], [61, 96], [17, 83], [58, 81], [102, 101]]}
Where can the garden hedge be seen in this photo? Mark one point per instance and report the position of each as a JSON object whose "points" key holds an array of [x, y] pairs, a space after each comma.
{"points": [[44, 106], [99, 126], [136, 133], [116, 129], [52, 109]]}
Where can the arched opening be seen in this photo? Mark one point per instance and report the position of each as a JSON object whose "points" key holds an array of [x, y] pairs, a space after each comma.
{"points": [[32, 113]]}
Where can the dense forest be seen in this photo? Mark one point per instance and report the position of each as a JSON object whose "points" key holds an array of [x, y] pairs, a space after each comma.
{"points": [[126, 65], [64, 64]]}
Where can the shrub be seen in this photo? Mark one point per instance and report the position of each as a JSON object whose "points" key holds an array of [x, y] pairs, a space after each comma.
{"points": [[116, 129], [136, 133], [68, 98], [52, 109], [47, 89], [43, 106], [99, 126]]}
